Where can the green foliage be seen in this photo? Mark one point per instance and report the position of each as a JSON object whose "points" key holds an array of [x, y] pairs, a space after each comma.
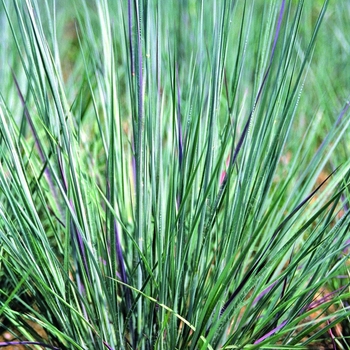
{"points": [[174, 174]]}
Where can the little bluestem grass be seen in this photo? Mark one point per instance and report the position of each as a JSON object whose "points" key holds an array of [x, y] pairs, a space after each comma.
{"points": [[174, 175]]}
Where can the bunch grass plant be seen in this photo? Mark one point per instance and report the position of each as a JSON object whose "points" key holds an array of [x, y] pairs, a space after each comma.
{"points": [[174, 174]]}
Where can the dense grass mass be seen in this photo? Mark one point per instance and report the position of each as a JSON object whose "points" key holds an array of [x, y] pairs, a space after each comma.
{"points": [[174, 174]]}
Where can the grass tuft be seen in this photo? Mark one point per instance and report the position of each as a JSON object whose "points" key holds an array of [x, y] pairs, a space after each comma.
{"points": [[174, 175]]}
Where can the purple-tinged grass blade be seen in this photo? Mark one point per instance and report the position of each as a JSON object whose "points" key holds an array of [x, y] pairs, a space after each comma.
{"points": [[346, 247], [342, 113], [345, 203], [278, 29], [263, 293], [275, 330], [107, 346], [133, 163], [179, 126], [326, 298], [332, 337], [179, 131]]}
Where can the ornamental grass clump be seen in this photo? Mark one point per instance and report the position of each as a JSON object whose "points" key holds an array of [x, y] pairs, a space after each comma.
{"points": [[174, 175]]}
